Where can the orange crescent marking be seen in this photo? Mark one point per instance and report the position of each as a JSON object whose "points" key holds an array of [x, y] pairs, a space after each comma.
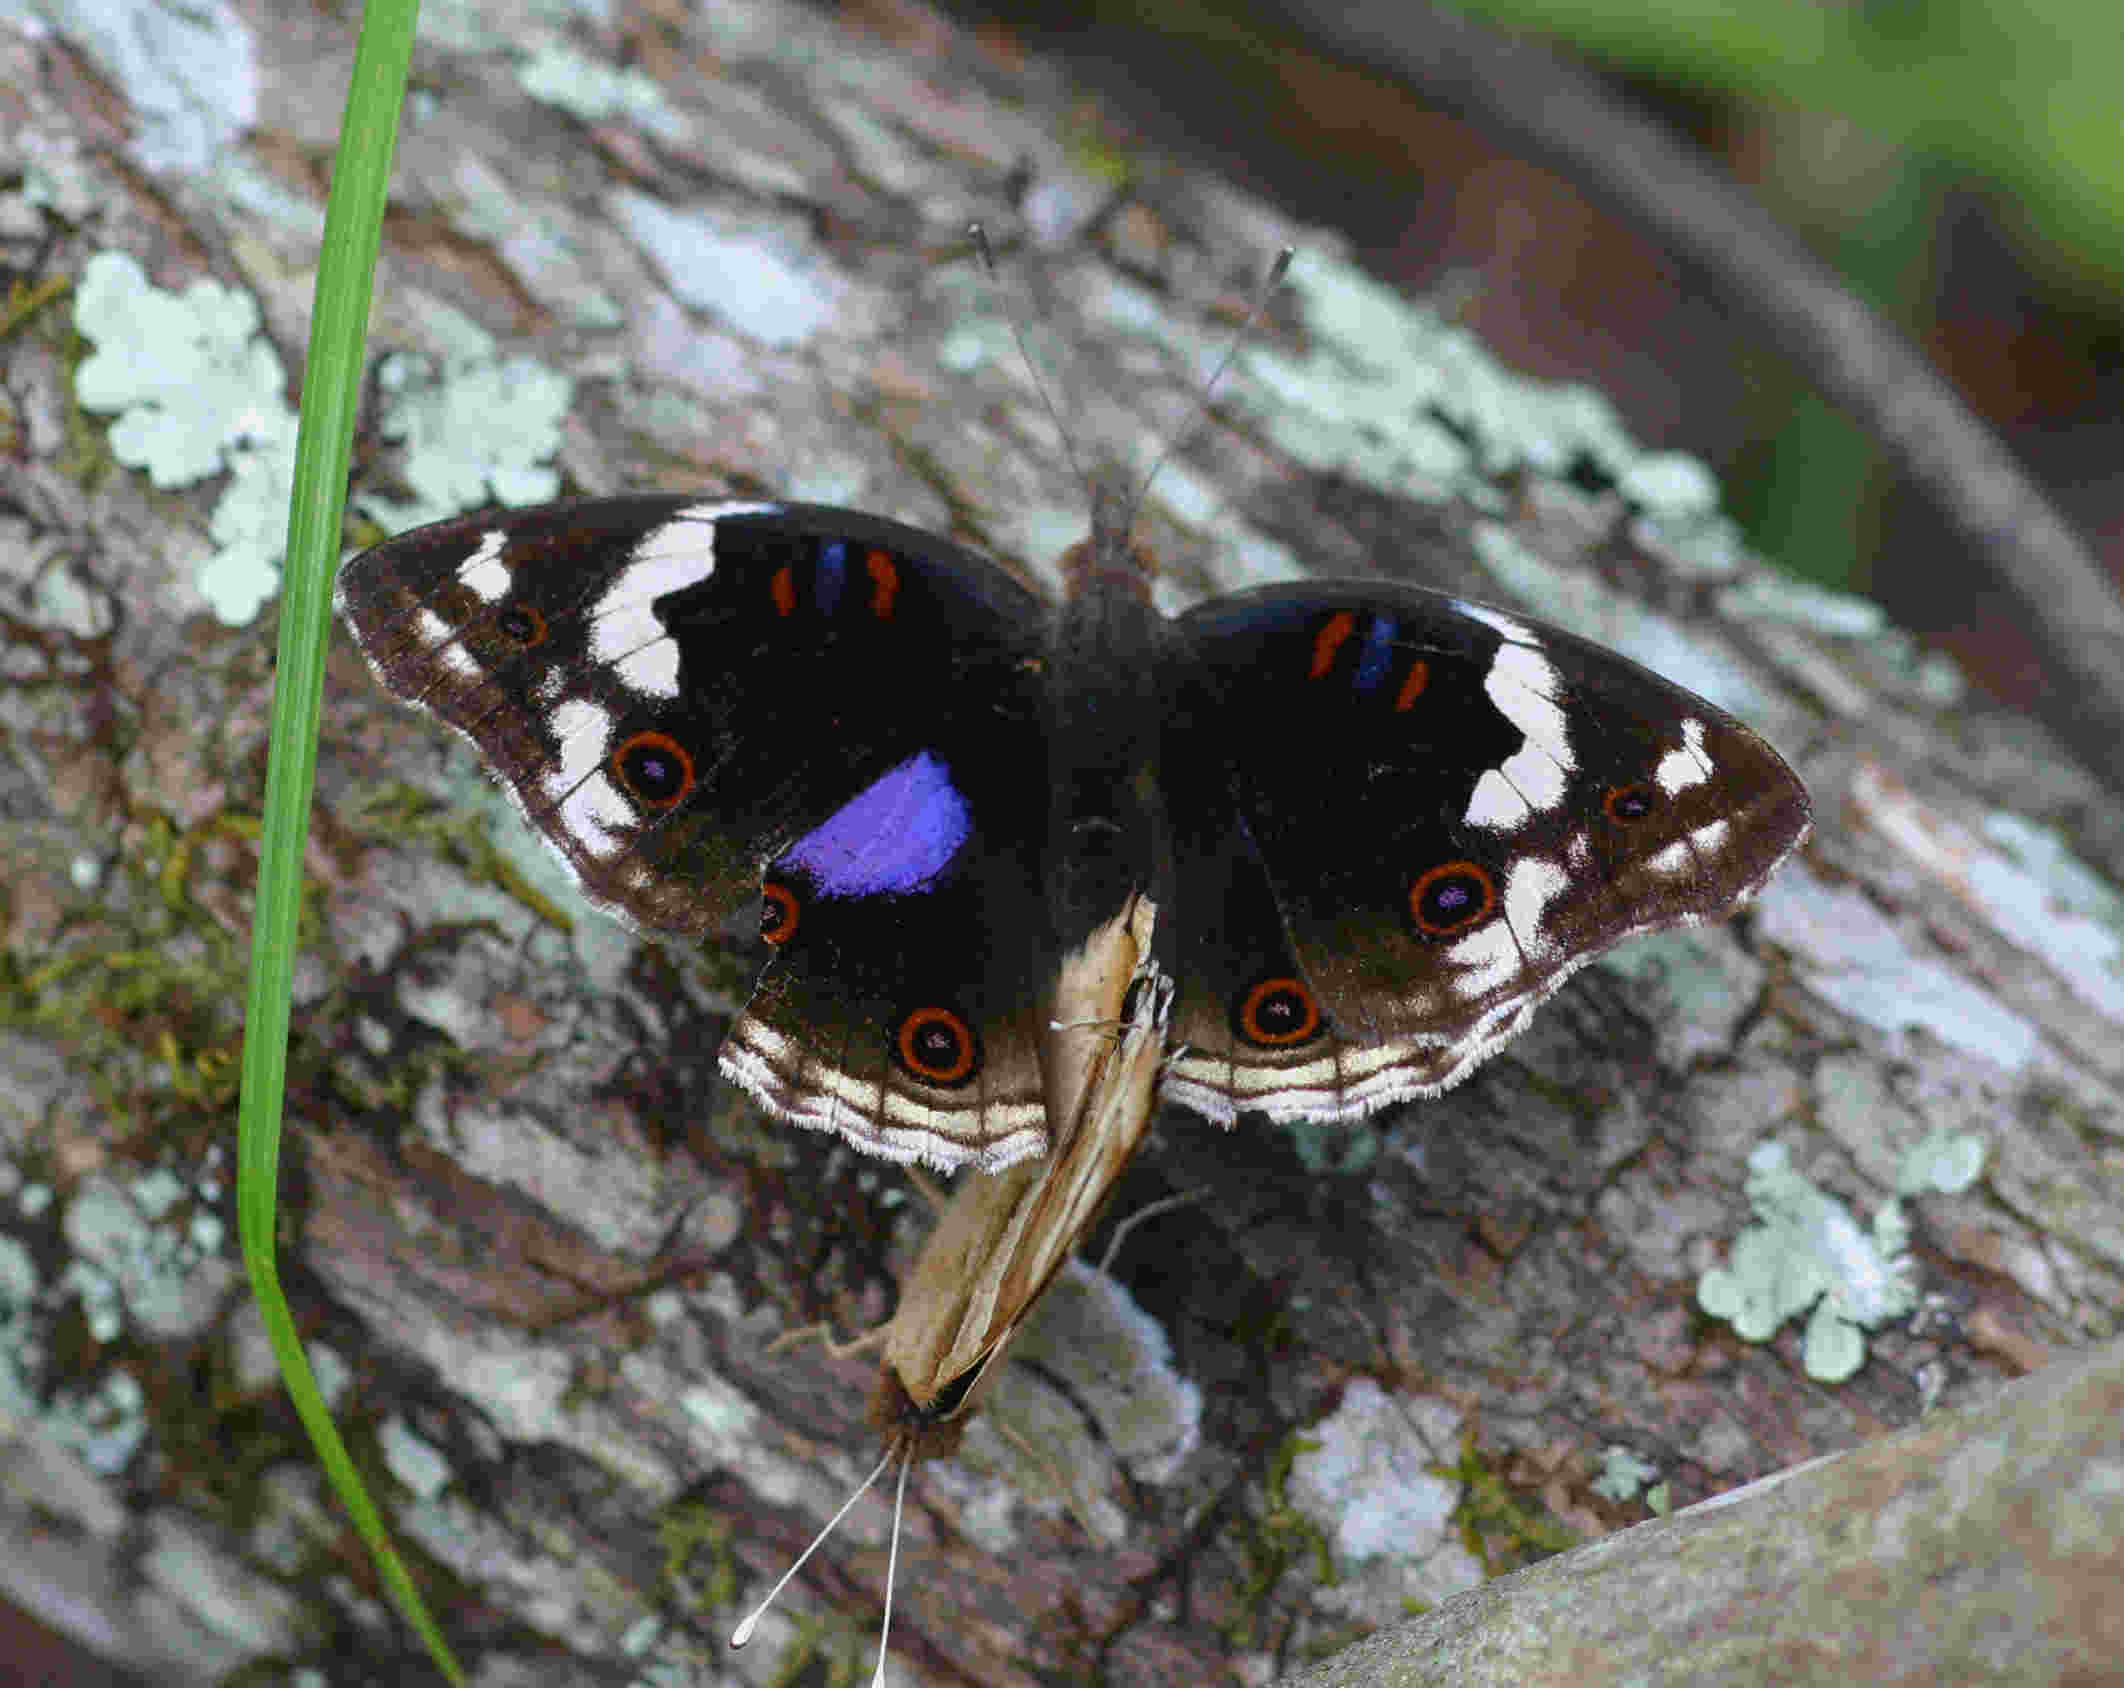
{"points": [[783, 587], [1330, 639], [778, 913], [1412, 687], [884, 583]]}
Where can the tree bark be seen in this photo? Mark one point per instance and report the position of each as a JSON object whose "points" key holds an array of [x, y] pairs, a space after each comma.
{"points": [[549, 1252], [1979, 1546]]}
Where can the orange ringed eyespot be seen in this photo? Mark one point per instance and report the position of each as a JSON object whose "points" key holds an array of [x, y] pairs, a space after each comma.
{"points": [[1629, 803], [1333, 635], [654, 769], [937, 1047], [884, 583], [1278, 1012], [522, 625], [783, 590], [778, 912], [1451, 898]]}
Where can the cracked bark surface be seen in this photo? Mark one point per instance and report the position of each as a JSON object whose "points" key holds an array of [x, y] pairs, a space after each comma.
{"points": [[546, 1243]]}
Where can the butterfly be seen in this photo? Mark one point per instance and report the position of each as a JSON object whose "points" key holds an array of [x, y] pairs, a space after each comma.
{"points": [[1303, 851], [1380, 824]]}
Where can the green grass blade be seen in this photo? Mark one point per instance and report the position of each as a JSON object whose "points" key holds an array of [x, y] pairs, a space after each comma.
{"points": [[331, 389]]}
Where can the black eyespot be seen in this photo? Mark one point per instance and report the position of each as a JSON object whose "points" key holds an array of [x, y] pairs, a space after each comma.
{"points": [[938, 1047], [778, 912], [653, 769], [1451, 899], [521, 625], [1277, 1013], [1630, 802]]}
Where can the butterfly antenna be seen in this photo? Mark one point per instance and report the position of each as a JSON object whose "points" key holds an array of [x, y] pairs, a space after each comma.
{"points": [[1151, 1210], [978, 234], [892, 1567], [743, 1632], [1048, 1469], [1193, 425]]}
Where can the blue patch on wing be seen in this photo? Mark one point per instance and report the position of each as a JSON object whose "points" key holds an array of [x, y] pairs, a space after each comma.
{"points": [[896, 837], [1376, 661], [833, 575]]}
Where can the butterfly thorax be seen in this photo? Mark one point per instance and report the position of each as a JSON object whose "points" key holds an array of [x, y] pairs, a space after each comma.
{"points": [[1107, 650]]}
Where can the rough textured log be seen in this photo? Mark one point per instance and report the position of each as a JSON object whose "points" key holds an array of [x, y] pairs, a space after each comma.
{"points": [[1984, 1545], [547, 1254]]}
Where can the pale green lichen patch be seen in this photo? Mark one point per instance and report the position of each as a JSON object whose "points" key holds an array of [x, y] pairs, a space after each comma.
{"points": [[1374, 1479], [189, 71], [103, 1426], [1367, 1476], [414, 1460], [1040, 533], [1946, 1162], [827, 480], [768, 289], [1119, 1361], [1089, 1385], [1710, 982], [1623, 1475], [546, 253], [18, 1278], [1690, 545], [476, 429], [1669, 485], [1814, 609], [139, 1252], [1237, 555], [1864, 965], [1392, 394], [1806, 1253], [1858, 1105], [196, 391], [1581, 603], [2053, 905], [878, 153], [102, 1423], [974, 340], [183, 1563], [560, 76], [1333, 1150], [535, 876], [617, 1196]]}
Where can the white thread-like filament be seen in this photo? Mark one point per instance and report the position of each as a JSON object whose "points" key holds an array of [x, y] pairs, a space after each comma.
{"points": [[892, 1565], [743, 1632]]}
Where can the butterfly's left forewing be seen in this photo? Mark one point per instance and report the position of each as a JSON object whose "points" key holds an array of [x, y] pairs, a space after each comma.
{"points": [[710, 708], [1423, 816]]}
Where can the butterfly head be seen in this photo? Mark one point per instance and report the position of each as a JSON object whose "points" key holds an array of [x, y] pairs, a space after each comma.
{"points": [[1112, 559]]}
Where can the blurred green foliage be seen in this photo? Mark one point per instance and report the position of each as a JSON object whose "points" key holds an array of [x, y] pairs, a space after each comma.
{"points": [[2025, 94], [1876, 112]]}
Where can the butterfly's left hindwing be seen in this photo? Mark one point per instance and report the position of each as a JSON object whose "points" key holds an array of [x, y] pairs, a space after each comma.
{"points": [[712, 708], [1422, 816]]}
